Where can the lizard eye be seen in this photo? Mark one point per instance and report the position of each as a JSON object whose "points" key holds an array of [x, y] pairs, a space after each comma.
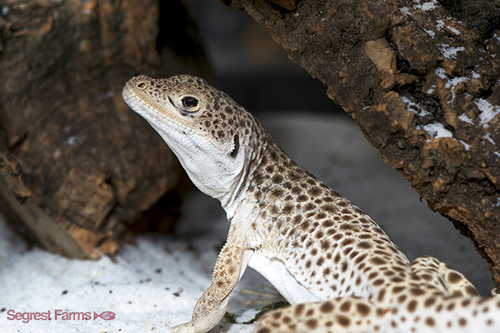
{"points": [[190, 104]]}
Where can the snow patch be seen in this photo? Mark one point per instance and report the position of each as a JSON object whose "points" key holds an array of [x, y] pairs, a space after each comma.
{"points": [[437, 131], [426, 6], [74, 140], [488, 137], [488, 111], [450, 52], [455, 31], [465, 118], [247, 316], [450, 83], [430, 32], [466, 145], [415, 107], [405, 11], [440, 24]]}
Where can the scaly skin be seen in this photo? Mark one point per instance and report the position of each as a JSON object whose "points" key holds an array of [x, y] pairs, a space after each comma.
{"points": [[310, 242]]}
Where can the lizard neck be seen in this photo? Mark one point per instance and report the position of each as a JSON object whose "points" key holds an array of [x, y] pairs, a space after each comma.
{"points": [[260, 143], [268, 156]]}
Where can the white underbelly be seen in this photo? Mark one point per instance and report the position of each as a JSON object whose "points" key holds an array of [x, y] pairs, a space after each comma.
{"points": [[275, 271]]}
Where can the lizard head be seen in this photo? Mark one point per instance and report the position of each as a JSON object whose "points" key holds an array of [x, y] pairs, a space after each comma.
{"points": [[213, 137]]}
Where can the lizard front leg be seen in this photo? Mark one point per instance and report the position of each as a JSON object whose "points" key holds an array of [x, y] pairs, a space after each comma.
{"points": [[211, 307]]}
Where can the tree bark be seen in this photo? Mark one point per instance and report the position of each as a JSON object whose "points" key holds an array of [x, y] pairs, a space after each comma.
{"points": [[76, 165], [422, 80]]}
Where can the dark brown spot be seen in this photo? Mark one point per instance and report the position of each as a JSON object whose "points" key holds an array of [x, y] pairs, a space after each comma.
{"points": [[402, 298], [363, 309], [302, 198], [299, 309], [429, 302], [471, 291], [454, 277], [381, 295], [277, 179], [430, 321], [398, 289], [347, 241], [319, 234], [360, 258], [343, 320], [377, 261], [327, 223], [365, 245], [287, 209], [381, 312], [417, 291], [343, 266], [347, 250], [309, 206], [326, 307], [314, 191], [346, 306], [412, 305], [277, 193], [312, 324], [297, 219], [325, 244], [353, 254]]}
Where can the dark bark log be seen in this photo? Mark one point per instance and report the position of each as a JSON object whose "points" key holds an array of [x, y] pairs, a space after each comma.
{"points": [[422, 80], [76, 165]]}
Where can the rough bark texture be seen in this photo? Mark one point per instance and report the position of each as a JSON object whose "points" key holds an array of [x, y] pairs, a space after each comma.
{"points": [[76, 165], [422, 80]]}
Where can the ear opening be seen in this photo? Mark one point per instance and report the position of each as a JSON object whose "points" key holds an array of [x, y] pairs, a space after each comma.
{"points": [[234, 153]]}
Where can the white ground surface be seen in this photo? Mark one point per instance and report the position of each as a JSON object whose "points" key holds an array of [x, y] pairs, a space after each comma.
{"points": [[155, 284]]}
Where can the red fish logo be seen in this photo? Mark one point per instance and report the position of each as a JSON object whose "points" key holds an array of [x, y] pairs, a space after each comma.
{"points": [[106, 315]]}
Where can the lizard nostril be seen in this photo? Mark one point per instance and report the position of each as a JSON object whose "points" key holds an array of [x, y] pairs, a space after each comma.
{"points": [[141, 85]]}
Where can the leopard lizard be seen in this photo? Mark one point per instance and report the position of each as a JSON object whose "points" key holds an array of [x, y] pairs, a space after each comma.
{"points": [[324, 255]]}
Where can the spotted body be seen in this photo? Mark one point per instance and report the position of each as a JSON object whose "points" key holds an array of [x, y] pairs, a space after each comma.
{"points": [[310, 242]]}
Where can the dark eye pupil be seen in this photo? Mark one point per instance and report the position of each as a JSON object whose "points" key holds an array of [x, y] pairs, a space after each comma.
{"points": [[189, 102]]}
